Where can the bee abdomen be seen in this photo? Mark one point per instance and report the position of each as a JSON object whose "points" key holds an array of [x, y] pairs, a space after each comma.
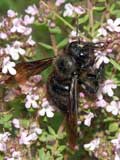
{"points": [[58, 92]]}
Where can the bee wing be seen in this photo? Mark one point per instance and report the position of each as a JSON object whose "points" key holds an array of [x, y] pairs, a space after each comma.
{"points": [[27, 69], [72, 113]]}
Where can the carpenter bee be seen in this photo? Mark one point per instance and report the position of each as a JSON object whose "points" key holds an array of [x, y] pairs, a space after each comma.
{"points": [[72, 70]]}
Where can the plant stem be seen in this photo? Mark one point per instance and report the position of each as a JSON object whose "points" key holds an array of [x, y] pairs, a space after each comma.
{"points": [[59, 17], [90, 13], [53, 40]]}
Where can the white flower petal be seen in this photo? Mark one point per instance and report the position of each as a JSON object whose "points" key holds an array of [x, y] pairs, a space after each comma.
{"points": [[49, 114], [42, 112], [12, 71]]}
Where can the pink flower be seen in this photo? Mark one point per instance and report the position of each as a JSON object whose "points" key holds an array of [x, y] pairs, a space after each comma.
{"points": [[15, 51], [71, 11], [8, 66], [102, 32], [4, 137], [11, 13], [16, 123], [23, 138], [30, 41], [101, 103], [92, 145], [79, 10], [27, 139], [35, 129], [101, 58], [28, 19], [32, 10], [113, 107], [59, 2], [31, 100], [68, 10], [108, 87], [116, 144], [19, 27], [88, 119], [16, 155], [113, 25], [46, 109], [3, 35]]}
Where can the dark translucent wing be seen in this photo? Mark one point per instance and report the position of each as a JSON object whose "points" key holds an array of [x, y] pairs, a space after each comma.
{"points": [[72, 113], [27, 69]]}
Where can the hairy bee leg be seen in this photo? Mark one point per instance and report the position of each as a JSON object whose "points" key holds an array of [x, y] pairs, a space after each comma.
{"points": [[94, 79]]}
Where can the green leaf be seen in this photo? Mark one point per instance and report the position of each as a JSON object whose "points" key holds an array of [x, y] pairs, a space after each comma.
{"points": [[46, 46], [25, 123], [113, 127], [51, 138], [5, 118], [100, 8], [83, 19], [51, 131], [41, 154], [63, 43], [61, 148], [109, 119], [112, 7], [55, 30], [8, 125], [115, 64]]}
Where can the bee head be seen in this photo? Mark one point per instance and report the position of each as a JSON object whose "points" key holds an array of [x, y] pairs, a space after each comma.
{"points": [[81, 53]]}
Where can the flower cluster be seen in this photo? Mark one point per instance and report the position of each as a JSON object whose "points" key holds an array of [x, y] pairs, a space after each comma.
{"points": [[111, 26], [28, 137], [15, 35], [116, 144], [72, 11], [4, 137], [92, 145]]}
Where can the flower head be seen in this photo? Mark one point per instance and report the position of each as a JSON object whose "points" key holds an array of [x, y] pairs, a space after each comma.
{"points": [[59, 2], [101, 102], [113, 26], [71, 10], [28, 19], [3, 35], [88, 119], [4, 137], [113, 107], [11, 13], [46, 109], [16, 123], [102, 32], [32, 10], [101, 58], [92, 145], [68, 10], [15, 51], [108, 87], [8, 66], [31, 100], [116, 144]]}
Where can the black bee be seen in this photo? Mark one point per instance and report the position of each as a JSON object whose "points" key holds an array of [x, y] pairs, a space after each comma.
{"points": [[72, 70]]}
